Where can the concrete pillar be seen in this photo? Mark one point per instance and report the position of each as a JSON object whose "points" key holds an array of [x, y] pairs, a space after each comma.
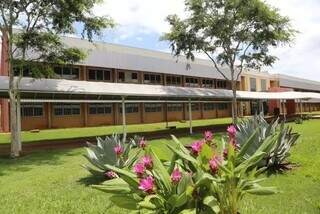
{"points": [[124, 126], [85, 114], [190, 116], [49, 115]]}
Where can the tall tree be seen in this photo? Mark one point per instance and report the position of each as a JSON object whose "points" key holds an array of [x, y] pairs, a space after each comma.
{"points": [[31, 30], [236, 34]]}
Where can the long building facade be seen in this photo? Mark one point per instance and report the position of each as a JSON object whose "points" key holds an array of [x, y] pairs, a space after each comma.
{"points": [[121, 64]]}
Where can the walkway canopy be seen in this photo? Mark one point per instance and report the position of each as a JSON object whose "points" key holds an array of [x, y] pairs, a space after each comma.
{"points": [[53, 90]]}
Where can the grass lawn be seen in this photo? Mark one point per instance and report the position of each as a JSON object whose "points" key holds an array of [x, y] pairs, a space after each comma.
{"points": [[54, 182], [59, 134]]}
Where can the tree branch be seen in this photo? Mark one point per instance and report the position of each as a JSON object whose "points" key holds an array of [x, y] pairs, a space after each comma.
{"points": [[216, 66]]}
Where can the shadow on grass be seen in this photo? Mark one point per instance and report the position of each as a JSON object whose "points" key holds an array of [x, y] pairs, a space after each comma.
{"points": [[91, 180], [39, 158]]}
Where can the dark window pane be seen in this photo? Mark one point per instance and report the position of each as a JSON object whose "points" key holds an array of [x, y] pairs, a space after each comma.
{"points": [[134, 76], [99, 75], [92, 74], [107, 75]]}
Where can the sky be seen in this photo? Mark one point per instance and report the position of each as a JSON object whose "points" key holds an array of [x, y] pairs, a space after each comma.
{"points": [[140, 23]]}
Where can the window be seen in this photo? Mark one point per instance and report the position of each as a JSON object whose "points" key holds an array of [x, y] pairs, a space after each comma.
{"points": [[221, 84], [209, 106], [66, 109], [207, 83], [128, 76], [152, 107], [195, 106], [31, 109], [130, 108], [174, 107], [99, 75], [263, 85], [100, 108], [69, 73], [25, 73], [152, 78], [253, 84], [222, 106], [173, 80], [192, 82]]}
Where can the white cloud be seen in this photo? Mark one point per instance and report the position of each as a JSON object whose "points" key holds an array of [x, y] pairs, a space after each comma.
{"points": [[142, 17]]}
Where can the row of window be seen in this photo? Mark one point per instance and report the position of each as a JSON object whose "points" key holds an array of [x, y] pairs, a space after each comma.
{"points": [[66, 109], [253, 84], [73, 73]]}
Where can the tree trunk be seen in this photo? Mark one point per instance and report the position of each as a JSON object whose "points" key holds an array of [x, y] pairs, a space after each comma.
{"points": [[15, 139], [234, 102]]}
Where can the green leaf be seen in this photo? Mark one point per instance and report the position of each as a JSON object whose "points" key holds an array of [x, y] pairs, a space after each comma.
{"points": [[263, 191], [116, 186], [124, 201], [127, 176], [161, 171], [182, 155], [213, 203]]}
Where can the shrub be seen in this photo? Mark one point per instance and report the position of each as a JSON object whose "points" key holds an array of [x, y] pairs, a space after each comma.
{"points": [[281, 137], [198, 180], [112, 151]]}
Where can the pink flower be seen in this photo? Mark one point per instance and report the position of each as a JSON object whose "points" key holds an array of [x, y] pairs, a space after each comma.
{"points": [[147, 184], [208, 136], [196, 147], [176, 176], [232, 131], [234, 143], [214, 164], [147, 161], [142, 143], [225, 153], [118, 150], [111, 174], [139, 169]]}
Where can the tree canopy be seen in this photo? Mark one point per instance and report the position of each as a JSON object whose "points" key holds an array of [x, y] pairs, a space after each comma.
{"points": [[232, 33]]}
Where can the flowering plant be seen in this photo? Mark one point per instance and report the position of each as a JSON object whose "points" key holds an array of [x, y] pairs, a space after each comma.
{"points": [[195, 180]]}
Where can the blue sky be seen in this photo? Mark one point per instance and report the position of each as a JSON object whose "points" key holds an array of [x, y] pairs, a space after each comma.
{"points": [[142, 22]]}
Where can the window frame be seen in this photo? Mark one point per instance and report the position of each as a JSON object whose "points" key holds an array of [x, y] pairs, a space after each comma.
{"points": [[66, 107], [33, 107], [96, 106]]}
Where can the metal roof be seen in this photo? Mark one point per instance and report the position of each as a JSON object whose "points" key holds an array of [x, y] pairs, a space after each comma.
{"points": [[108, 55], [297, 83], [85, 90]]}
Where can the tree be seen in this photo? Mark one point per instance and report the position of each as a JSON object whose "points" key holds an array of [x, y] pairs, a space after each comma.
{"points": [[31, 30], [236, 34]]}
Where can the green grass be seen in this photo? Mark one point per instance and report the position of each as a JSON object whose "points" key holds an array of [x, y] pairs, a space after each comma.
{"points": [[60, 134], [54, 182]]}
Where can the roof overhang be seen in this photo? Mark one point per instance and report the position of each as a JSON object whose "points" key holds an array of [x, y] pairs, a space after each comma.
{"points": [[57, 89]]}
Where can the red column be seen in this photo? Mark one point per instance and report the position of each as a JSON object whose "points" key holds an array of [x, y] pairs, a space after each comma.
{"points": [[4, 71]]}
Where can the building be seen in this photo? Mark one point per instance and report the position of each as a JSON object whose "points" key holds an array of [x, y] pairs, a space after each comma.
{"points": [[122, 64]]}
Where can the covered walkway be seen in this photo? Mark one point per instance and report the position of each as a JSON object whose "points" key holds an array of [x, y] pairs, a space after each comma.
{"points": [[67, 91]]}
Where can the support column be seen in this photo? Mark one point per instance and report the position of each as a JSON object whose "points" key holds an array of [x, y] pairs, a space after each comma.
{"points": [[166, 114], [300, 108], [262, 108], [124, 126], [284, 109], [19, 124], [85, 112], [49, 116], [190, 116]]}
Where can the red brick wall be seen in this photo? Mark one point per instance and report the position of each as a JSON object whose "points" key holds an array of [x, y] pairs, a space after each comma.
{"points": [[4, 105]]}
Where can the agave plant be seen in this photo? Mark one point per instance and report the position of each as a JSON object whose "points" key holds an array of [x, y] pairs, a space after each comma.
{"points": [[281, 136], [281, 151], [196, 181], [112, 151]]}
